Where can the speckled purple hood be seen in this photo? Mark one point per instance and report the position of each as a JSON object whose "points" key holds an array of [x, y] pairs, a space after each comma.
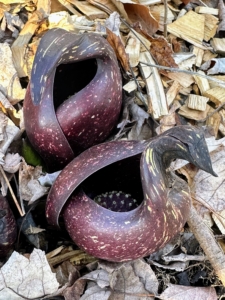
{"points": [[122, 236], [82, 120]]}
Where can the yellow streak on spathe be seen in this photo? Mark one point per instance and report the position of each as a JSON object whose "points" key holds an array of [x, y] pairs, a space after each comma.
{"points": [[181, 147], [149, 208]]}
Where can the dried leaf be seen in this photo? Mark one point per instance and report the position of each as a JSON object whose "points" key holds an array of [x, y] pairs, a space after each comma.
{"points": [[10, 84], [119, 48], [162, 52], [208, 189], [122, 281], [141, 14], [177, 292], [214, 66], [30, 278], [8, 132], [113, 23], [140, 116], [48, 179], [29, 186], [12, 162], [12, 22]]}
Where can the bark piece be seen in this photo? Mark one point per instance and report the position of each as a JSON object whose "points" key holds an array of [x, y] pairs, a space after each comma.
{"points": [[156, 96]]}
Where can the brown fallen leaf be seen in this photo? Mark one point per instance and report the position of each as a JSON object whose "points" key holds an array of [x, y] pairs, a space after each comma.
{"points": [[177, 292], [162, 52], [141, 14], [119, 49]]}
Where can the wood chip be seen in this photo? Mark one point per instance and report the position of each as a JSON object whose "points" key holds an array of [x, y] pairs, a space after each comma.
{"points": [[197, 102], [216, 95], [210, 27], [133, 49], [156, 96], [207, 10], [184, 79], [202, 83], [89, 10], [160, 10], [192, 113], [213, 121], [190, 27], [172, 92], [218, 45], [199, 55]]}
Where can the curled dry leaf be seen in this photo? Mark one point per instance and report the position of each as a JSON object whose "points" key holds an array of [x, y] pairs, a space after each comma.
{"points": [[141, 14], [119, 49], [30, 278], [29, 186], [214, 66]]}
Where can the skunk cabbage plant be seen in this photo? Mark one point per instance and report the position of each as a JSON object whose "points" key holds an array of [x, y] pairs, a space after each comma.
{"points": [[117, 200], [8, 229], [74, 97]]}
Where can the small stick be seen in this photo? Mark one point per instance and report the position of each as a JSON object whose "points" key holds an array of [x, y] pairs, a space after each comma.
{"points": [[208, 243], [220, 82], [165, 18], [11, 191], [210, 115]]}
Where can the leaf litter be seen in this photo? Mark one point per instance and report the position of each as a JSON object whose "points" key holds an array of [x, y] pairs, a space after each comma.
{"points": [[164, 273]]}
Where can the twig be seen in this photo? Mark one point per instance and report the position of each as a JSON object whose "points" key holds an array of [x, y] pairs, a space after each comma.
{"points": [[11, 191], [209, 115], [165, 18], [220, 82], [208, 243]]}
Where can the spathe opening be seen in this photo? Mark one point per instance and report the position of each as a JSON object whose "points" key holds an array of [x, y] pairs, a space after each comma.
{"points": [[123, 175], [71, 78]]}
